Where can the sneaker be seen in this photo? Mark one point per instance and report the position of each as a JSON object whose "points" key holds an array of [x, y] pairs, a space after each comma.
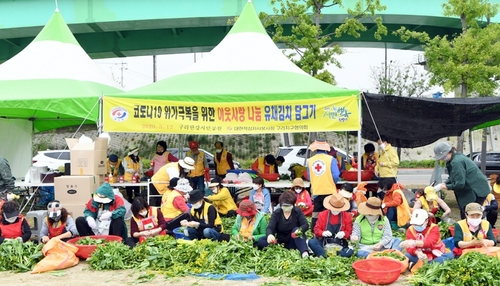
{"points": [[305, 254]]}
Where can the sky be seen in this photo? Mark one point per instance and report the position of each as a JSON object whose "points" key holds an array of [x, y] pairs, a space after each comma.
{"points": [[355, 73]]}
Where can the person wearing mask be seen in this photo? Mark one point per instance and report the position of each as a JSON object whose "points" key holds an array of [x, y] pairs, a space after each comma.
{"points": [[431, 203], [13, 225], [160, 181], [114, 168], [223, 160], [372, 230], [260, 195], [334, 227], [205, 221], [7, 181], [423, 241], [174, 207], [146, 222], [394, 204], [388, 160], [103, 206], [287, 226], [369, 158], [304, 201], [265, 165], [58, 224], [222, 199], [133, 172], [162, 156], [354, 160], [279, 162], [464, 177], [200, 173], [250, 224], [323, 173], [473, 231]]}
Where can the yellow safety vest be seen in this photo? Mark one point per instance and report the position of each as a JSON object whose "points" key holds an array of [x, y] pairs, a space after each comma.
{"points": [[425, 204], [163, 178], [485, 226], [199, 165], [321, 183], [115, 170], [204, 216], [167, 205], [488, 199], [132, 165], [223, 165]]}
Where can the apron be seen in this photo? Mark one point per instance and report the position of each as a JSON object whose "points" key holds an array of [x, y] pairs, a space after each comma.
{"points": [[334, 228]]}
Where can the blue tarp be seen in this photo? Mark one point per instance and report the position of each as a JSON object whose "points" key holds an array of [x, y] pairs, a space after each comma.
{"points": [[233, 276]]}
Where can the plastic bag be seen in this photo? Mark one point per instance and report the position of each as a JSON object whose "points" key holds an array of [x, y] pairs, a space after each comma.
{"points": [[58, 255], [244, 178], [102, 227], [127, 205]]}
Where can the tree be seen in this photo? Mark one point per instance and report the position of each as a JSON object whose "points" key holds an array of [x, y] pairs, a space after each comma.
{"points": [[307, 41], [469, 60], [400, 80]]}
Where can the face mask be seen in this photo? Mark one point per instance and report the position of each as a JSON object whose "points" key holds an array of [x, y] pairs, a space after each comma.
{"points": [[419, 228], [136, 153], [11, 220], [287, 208], [197, 205], [144, 213], [372, 218], [218, 150], [215, 190], [474, 221], [255, 187], [382, 146], [335, 212], [446, 159], [298, 190]]}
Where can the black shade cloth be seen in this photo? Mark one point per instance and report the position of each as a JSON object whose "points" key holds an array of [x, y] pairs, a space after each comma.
{"points": [[413, 122]]}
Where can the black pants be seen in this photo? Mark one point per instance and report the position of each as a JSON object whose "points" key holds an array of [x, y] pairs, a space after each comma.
{"points": [[230, 213], [115, 228], [491, 217], [136, 190], [154, 201], [317, 208], [131, 241], [176, 222]]}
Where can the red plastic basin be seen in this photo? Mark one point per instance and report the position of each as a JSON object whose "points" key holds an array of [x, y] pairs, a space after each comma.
{"points": [[84, 251], [380, 271]]}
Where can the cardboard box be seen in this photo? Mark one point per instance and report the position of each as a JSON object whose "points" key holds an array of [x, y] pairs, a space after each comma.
{"points": [[75, 210], [75, 189], [87, 158]]}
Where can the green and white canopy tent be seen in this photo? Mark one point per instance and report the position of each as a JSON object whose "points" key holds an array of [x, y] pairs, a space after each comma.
{"points": [[52, 83], [245, 69]]}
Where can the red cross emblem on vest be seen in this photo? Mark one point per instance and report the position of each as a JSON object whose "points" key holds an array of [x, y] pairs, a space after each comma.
{"points": [[318, 167]]}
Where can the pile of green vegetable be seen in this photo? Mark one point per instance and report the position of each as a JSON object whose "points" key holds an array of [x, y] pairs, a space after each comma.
{"points": [[391, 255], [91, 241], [18, 256], [470, 269], [180, 258], [444, 229]]}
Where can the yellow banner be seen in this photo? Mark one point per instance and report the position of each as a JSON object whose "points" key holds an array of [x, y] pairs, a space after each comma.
{"points": [[164, 116]]}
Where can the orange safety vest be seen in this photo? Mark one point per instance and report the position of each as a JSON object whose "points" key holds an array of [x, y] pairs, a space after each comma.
{"points": [[55, 231], [262, 166], [132, 165], [167, 205], [321, 178], [199, 165], [223, 164], [12, 230], [163, 178], [403, 210]]}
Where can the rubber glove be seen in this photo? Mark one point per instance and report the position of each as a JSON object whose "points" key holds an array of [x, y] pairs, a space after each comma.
{"points": [[301, 204], [421, 255], [383, 206], [91, 222], [340, 235], [106, 215], [354, 238], [408, 243], [327, 233], [271, 239]]}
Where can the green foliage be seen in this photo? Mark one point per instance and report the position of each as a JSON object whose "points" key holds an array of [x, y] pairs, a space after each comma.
{"points": [[399, 80], [312, 50], [417, 164], [18, 256]]}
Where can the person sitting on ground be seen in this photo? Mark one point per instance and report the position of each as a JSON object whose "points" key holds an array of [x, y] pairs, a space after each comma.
{"points": [[174, 207], [58, 223], [205, 221], [289, 225], [260, 195], [250, 224], [394, 204], [334, 227], [423, 241], [347, 192], [265, 165], [160, 181], [490, 209], [103, 206], [372, 229], [430, 202], [114, 168], [473, 231], [221, 199], [146, 222], [13, 225], [304, 201]]}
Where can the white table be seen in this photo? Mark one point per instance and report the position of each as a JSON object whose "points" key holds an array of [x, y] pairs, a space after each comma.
{"points": [[275, 185]]}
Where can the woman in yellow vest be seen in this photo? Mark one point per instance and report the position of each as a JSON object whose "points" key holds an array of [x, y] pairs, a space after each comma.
{"points": [[473, 231], [114, 168], [133, 172], [430, 202], [223, 160], [394, 204], [146, 222], [205, 220], [200, 174], [222, 199], [173, 205]]}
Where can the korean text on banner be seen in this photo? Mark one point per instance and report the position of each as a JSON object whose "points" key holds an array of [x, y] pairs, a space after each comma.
{"points": [[162, 116]]}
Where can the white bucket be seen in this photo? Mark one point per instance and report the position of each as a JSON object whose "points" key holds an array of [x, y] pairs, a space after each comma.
{"points": [[36, 174]]}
